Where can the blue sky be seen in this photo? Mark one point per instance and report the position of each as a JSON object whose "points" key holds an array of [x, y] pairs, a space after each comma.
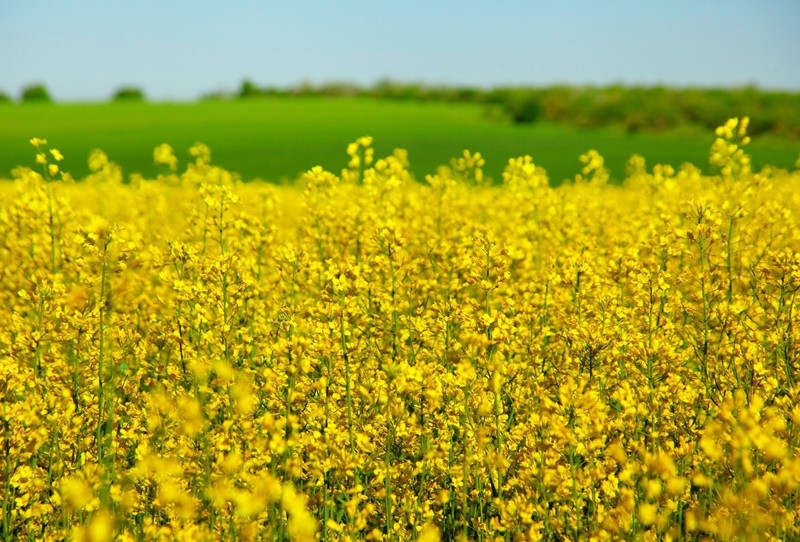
{"points": [[179, 49]]}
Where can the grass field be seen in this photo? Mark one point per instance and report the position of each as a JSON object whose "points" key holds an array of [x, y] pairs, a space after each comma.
{"points": [[278, 138]]}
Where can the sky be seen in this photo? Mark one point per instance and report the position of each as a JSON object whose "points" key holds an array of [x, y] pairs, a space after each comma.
{"points": [[179, 50]]}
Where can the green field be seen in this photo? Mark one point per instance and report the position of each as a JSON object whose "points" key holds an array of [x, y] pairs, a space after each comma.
{"points": [[278, 138]]}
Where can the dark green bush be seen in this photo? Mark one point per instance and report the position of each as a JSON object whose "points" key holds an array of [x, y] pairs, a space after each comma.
{"points": [[129, 94], [523, 107], [36, 93], [249, 89]]}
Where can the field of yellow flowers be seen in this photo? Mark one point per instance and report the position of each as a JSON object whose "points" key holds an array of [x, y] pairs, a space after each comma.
{"points": [[365, 356]]}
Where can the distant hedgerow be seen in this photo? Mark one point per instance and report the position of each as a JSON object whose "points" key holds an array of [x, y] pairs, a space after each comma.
{"points": [[129, 94], [36, 93]]}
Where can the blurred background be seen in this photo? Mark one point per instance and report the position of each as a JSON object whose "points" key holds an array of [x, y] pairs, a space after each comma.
{"points": [[276, 88]]}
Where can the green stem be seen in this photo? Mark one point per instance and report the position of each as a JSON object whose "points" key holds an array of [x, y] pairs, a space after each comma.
{"points": [[388, 466], [394, 307], [465, 465], [7, 485], [347, 375], [730, 268], [499, 443], [52, 229], [101, 359]]}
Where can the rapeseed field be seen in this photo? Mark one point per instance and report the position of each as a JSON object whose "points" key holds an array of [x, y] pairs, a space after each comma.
{"points": [[363, 355]]}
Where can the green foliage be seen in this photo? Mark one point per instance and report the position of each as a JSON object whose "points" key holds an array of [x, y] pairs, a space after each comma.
{"points": [[653, 108], [339, 89], [634, 109], [523, 107], [129, 94], [248, 89], [36, 93], [4, 98], [388, 89], [215, 96]]}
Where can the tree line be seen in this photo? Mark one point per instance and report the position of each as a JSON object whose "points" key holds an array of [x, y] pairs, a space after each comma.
{"points": [[633, 108], [38, 93]]}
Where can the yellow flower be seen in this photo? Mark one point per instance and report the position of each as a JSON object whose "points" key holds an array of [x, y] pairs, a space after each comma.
{"points": [[97, 160], [653, 488], [404, 354], [76, 492], [676, 486], [775, 450], [201, 152], [101, 527], [711, 448], [648, 513], [164, 155], [429, 533]]}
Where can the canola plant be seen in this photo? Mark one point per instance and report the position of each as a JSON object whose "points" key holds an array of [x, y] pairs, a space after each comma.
{"points": [[369, 356]]}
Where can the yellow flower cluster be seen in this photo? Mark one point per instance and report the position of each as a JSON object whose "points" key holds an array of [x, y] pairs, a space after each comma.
{"points": [[367, 357]]}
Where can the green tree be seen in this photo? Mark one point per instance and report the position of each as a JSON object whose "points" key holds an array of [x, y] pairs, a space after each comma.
{"points": [[523, 107], [36, 93], [249, 89], [129, 94]]}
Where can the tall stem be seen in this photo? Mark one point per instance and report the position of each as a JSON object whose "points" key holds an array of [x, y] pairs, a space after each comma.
{"points": [[101, 359], [347, 375], [52, 229]]}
